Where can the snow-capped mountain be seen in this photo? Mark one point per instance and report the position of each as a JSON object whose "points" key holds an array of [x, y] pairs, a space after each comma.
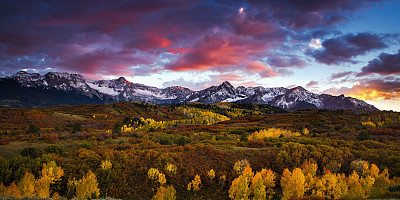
{"points": [[116, 90]]}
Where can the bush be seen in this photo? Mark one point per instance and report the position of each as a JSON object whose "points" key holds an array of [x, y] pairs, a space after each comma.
{"points": [[256, 143], [33, 130], [364, 135], [55, 149], [30, 152]]}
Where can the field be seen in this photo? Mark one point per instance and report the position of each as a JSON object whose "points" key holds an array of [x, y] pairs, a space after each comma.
{"points": [[133, 150]]}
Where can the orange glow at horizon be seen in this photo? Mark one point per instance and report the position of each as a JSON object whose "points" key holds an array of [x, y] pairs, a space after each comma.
{"points": [[375, 95]]}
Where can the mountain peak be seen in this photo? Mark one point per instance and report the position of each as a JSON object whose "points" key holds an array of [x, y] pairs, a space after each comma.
{"points": [[25, 76], [299, 88], [227, 84], [120, 89]]}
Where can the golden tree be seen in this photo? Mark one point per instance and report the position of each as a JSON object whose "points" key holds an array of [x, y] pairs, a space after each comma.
{"points": [[50, 173], [194, 184], [258, 187], [381, 185], [355, 187], [87, 187], [293, 184], [239, 189], [165, 193], [106, 165], [27, 185], [153, 173], [211, 174], [268, 177], [171, 168], [240, 165], [161, 179]]}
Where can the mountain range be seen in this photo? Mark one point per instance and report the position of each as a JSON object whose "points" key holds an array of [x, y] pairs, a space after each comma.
{"points": [[31, 90]]}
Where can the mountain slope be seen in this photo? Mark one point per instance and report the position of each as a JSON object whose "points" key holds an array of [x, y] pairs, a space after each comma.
{"points": [[34, 90]]}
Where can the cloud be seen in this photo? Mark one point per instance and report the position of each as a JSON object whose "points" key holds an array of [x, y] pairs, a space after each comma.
{"points": [[109, 37], [385, 64], [312, 84], [343, 49], [288, 61], [340, 75], [371, 90], [223, 52]]}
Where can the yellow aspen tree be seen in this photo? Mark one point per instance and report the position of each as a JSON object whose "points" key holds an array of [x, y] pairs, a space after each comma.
{"points": [[293, 184], [367, 182], [49, 174], [196, 183], [27, 185], [268, 177], [381, 185], [319, 187], [13, 191], [153, 173], [106, 165], [305, 131], [310, 170], [87, 187], [240, 165], [165, 193], [331, 182], [42, 187], [161, 179], [52, 171], [55, 196], [248, 173], [374, 171], [171, 168], [341, 188], [355, 187], [239, 189], [211, 174], [258, 187]]}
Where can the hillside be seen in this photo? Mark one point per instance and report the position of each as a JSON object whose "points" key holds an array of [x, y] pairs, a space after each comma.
{"points": [[185, 140]]}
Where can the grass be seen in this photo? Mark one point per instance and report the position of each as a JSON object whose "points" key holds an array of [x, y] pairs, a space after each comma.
{"points": [[71, 117]]}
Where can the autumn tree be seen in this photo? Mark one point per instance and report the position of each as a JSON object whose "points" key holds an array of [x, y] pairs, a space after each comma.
{"points": [[27, 185], [258, 187], [49, 174], [165, 193], [355, 187], [86, 187], [239, 188], [106, 166], [240, 165], [381, 184], [171, 168], [194, 184], [211, 174], [293, 183], [268, 177]]}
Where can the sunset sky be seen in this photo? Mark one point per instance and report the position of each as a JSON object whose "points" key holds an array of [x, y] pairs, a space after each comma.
{"points": [[349, 47]]}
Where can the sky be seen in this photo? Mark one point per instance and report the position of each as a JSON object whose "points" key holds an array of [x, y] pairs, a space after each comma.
{"points": [[349, 47]]}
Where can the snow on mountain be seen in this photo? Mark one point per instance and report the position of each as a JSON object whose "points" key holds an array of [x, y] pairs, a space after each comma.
{"points": [[120, 89]]}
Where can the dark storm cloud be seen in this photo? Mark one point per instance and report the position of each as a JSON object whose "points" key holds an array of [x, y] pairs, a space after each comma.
{"points": [[385, 64], [343, 49], [109, 37]]}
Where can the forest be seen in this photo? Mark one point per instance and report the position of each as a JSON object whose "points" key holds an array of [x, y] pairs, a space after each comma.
{"points": [[134, 150]]}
